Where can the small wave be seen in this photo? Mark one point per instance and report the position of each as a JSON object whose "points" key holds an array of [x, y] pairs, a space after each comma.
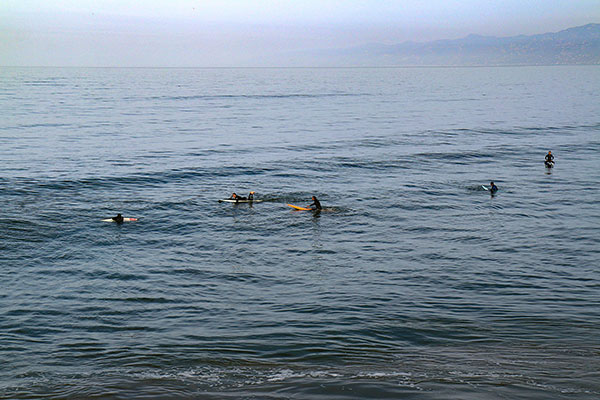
{"points": [[281, 96], [457, 157], [57, 82], [44, 125]]}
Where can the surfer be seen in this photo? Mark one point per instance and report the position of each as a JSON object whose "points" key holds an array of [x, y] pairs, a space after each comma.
{"points": [[236, 197], [316, 205], [549, 159], [118, 219], [493, 188]]}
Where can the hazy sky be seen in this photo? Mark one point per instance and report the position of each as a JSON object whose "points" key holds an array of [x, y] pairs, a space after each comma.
{"points": [[254, 32]]}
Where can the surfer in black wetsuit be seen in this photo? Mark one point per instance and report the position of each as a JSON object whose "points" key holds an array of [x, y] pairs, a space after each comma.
{"points": [[118, 219], [251, 196], [238, 197], [549, 159], [493, 188], [316, 205]]}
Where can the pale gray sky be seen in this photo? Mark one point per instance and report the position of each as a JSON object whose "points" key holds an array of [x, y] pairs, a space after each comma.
{"points": [[254, 33]]}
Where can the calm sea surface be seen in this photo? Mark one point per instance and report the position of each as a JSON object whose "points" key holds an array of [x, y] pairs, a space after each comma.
{"points": [[413, 283]]}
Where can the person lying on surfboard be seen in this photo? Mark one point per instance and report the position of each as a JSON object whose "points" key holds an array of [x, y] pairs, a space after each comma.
{"points": [[316, 205], [493, 188], [236, 197], [118, 219]]}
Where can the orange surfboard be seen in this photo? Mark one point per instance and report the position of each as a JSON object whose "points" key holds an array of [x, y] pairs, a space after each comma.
{"points": [[300, 208]]}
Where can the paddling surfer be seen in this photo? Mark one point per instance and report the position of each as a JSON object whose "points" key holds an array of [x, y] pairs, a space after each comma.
{"points": [[118, 219], [236, 197], [239, 198]]}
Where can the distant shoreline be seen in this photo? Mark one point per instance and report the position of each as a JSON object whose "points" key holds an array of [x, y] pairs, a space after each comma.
{"points": [[305, 67]]}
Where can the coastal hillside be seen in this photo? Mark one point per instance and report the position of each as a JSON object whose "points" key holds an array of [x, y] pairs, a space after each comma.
{"points": [[578, 45]]}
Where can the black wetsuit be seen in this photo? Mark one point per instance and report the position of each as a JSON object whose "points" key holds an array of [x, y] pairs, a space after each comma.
{"points": [[118, 219], [493, 189], [316, 205], [549, 158], [251, 196]]}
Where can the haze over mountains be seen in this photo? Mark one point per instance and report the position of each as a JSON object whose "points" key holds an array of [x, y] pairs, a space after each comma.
{"points": [[578, 45]]}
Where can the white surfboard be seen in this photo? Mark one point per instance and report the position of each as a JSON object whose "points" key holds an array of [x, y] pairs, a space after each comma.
{"points": [[124, 220], [239, 201]]}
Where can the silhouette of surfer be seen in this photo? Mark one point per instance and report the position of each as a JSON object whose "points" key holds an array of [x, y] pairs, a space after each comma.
{"points": [[549, 160], [316, 204]]}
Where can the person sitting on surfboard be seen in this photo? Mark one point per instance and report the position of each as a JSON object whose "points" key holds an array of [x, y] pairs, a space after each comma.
{"points": [[251, 196], [549, 159], [118, 219], [316, 205], [493, 188]]}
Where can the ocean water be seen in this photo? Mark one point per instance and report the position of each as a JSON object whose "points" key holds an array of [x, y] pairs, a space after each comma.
{"points": [[413, 282]]}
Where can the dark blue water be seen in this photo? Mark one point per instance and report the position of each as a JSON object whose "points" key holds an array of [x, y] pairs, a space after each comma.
{"points": [[414, 282]]}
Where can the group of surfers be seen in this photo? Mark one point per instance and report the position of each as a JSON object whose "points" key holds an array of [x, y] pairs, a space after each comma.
{"points": [[548, 161], [316, 205]]}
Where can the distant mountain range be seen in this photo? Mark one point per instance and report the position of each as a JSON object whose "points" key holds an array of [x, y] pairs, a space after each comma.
{"points": [[579, 45]]}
